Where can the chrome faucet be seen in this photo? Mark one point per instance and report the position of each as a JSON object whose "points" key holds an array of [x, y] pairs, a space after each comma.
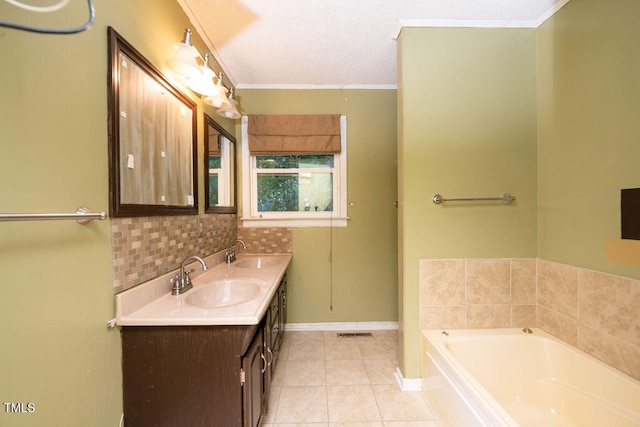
{"points": [[181, 281], [230, 255]]}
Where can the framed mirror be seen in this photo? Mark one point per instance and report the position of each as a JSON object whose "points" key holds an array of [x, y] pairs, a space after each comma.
{"points": [[220, 168], [152, 138]]}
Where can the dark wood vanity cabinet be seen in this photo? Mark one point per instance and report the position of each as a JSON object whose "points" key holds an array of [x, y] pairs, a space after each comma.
{"points": [[208, 376], [273, 335]]}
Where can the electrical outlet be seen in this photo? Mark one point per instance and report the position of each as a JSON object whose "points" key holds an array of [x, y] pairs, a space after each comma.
{"points": [[200, 227]]}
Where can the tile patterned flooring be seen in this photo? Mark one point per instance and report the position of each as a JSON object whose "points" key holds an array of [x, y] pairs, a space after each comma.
{"points": [[323, 380]]}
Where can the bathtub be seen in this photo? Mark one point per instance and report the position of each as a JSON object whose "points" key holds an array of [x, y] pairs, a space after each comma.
{"points": [[507, 377]]}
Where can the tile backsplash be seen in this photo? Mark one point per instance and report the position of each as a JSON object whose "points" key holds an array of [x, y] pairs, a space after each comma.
{"points": [[148, 247], [593, 311]]}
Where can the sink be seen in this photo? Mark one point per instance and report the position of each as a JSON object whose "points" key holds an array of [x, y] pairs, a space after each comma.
{"points": [[223, 293], [255, 262]]}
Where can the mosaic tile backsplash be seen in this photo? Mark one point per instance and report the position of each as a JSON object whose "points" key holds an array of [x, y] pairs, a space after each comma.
{"points": [[147, 247]]}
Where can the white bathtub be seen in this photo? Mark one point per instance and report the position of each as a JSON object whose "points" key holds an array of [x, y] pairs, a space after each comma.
{"points": [[505, 377]]}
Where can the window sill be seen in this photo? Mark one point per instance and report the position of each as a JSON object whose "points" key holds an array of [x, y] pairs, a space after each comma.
{"points": [[294, 223]]}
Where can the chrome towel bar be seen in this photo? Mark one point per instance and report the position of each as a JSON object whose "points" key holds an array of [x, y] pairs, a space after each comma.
{"points": [[82, 215], [506, 198]]}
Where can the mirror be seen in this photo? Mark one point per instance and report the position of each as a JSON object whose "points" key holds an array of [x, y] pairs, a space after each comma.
{"points": [[219, 168], [152, 138]]}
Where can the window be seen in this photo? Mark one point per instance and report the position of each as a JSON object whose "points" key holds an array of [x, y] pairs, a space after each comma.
{"points": [[298, 190], [220, 171]]}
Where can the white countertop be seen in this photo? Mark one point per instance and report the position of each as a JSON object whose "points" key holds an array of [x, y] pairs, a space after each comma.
{"points": [[151, 303]]}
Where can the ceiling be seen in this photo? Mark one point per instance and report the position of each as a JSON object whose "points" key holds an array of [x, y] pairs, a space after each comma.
{"points": [[335, 43]]}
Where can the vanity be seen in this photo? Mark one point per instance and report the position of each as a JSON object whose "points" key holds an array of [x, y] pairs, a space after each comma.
{"points": [[205, 357]]}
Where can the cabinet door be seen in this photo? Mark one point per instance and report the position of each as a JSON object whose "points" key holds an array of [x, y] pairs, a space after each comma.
{"points": [[253, 364], [282, 313]]}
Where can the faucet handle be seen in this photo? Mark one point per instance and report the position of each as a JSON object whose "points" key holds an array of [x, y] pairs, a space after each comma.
{"points": [[187, 278], [175, 282]]}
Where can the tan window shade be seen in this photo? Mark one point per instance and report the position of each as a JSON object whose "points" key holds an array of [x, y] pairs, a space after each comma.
{"points": [[214, 142], [294, 134]]}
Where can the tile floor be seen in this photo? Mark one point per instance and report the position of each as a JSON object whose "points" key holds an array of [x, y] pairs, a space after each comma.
{"points": [[323, 380]]}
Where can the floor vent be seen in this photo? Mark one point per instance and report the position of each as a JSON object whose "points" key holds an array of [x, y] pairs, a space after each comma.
{"points": [[354, 334]]}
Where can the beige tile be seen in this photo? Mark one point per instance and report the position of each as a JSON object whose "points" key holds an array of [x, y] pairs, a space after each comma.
{"points": [[343, 349], [400, 405], [304, 373], [381, 371], [352, 403], [429, 423], [375, 349], [278, 374], [611, 304], [306, 350], [488, 281], [296, 425], [558, 287], [523, 281], [284, 348], [442, 316], [331, 335], [523, 316], [617, 353], [488, 316], [360, 424], [442, 282], [346, 372], [274, 396], [389, 335], [305, 336], [302, 405], [558, 325]]}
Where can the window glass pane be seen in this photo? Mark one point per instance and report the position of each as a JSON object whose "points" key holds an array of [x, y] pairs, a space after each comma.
{"points": [[213, 189], [215, 162], [295, 192], [295, 162]]}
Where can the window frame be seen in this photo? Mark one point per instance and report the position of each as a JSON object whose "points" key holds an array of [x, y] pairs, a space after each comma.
{"points": [[251, 217]]}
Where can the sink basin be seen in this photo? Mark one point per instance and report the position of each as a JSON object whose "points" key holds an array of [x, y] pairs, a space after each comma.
{"points": [[223, 293], [255, 262]]}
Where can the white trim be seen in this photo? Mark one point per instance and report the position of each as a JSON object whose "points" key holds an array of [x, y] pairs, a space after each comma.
{"points": [[407, 384], [463, 23], [549, 13], [294, 223], [342, 326], [317, 86]]}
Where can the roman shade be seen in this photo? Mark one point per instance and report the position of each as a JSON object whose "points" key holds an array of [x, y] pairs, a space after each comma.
{"points": [[293, 134]]}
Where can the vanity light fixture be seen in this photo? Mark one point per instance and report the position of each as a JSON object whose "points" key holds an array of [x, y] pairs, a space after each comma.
{"points": [[203, 82], [219, 98], [183, 63], [230, 111], [201, 78]]}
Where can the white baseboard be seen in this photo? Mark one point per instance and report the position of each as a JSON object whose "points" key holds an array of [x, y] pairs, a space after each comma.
{"points": [[341, 326], [407, 384]]}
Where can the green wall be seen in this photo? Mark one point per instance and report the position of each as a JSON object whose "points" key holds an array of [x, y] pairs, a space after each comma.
{"points": [[588, 129], [360, 281], [467, 100], [56, 294]]}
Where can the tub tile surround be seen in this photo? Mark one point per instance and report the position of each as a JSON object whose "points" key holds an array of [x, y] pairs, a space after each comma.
{"points": [[593, 311], [477, 293], [148, 247]]}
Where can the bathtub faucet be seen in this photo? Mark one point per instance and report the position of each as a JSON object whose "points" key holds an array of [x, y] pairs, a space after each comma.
{"points": [[230, 255], [181, 281]]}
